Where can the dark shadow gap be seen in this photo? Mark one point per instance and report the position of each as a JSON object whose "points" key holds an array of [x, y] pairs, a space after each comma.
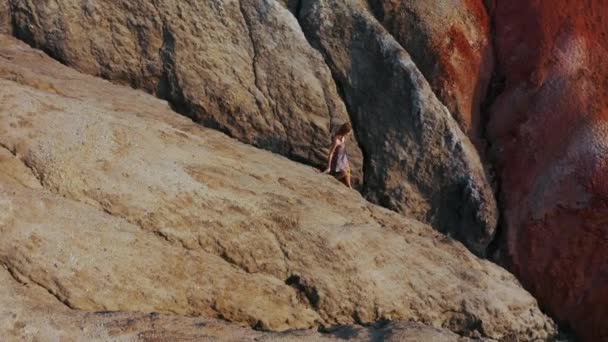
{"points": [[495, 88]]}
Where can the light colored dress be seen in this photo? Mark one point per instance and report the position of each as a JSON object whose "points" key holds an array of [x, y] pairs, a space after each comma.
{"points": [[339, 161]]}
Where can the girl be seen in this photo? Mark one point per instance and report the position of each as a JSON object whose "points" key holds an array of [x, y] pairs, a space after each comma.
{"points": [[337, 161]]}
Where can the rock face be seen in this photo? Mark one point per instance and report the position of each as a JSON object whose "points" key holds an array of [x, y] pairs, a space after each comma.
{"points": [[112, 202], [5, 17], [451, 45], [418, 161], [29, 313], [243, 67], [550, 129]]}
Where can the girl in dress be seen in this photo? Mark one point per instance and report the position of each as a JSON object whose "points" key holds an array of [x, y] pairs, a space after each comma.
{"points": [[337, 161]]}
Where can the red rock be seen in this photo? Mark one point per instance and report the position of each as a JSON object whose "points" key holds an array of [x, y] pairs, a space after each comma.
{"points": [[549, 129], [450, 42]]}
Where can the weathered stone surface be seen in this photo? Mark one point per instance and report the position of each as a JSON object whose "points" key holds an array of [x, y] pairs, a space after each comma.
{"points": [[29, 313], [450, 43], [96, 262], [550, 133], [5, 17], [142, 210], [246, 68], [418, 161], [243, 67]]}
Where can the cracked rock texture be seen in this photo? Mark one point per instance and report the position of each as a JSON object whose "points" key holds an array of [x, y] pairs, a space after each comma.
{"points": [[243, 67], [549, 130], [29, 313], [450, 43], [418, 161], [112, 202]]}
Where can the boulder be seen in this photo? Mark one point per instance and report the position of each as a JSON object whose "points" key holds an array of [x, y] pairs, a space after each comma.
{"points": [[243, 67], [451, 44], [417, 160], [109, 201], [549, 131]]}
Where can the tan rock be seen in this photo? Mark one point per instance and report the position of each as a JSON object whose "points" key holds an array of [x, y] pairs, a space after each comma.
{"points": [[450, 43], [29, 313], [142, 210], [79, 256], [243, 67], [13, 170], [5, 17], [418, 161], [246, 68]]}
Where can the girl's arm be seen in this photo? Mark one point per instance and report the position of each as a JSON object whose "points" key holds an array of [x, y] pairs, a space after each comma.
{"points": [[331, 154]]}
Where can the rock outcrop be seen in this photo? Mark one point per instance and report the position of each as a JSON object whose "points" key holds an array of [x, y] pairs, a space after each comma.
{"points": [[243, 67], [549, 129], [6, 26], [29, 313], [450, 43], [112, 202], [246, 68], [418, 161]]}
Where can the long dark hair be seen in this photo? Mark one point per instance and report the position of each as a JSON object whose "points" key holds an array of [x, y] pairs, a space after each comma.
{"points": [[343, 130]]}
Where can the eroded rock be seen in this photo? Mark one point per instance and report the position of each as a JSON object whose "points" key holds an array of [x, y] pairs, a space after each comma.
{"points": [[549, 129], [450, 43], [143, 210], [5, 18], [243, 67], [418, 161], [28, 312]]}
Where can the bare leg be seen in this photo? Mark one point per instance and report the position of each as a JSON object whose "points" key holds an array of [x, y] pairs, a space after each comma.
{"points": [[347, 179]]}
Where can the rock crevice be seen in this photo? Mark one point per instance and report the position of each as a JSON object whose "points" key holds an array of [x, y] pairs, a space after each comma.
{"points": [[24, 280], [31, 171], [417, 161]]}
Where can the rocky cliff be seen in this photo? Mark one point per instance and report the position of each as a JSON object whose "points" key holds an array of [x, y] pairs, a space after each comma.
{"points": [[112, 202], [243, 67], [418, 161], [452, 105], [246, 68]]}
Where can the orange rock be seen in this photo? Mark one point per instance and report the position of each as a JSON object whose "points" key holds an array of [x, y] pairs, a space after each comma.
{"points": [[549, 129], [450, 43]]}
